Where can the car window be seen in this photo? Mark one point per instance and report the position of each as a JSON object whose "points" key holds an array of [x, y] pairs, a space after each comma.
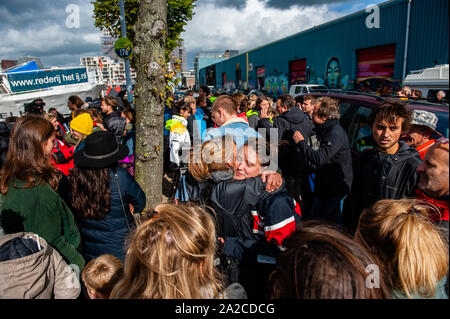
{"points": [[298, 90], [432, 95], [346, 115], [360, 127], [442, 124], [317, 87]]}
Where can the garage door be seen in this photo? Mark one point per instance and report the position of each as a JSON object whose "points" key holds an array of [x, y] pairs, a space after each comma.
{"points": [[376, 62], [297, 71]]}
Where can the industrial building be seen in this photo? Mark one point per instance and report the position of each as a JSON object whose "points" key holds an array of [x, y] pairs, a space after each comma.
{"points": [[378, 44]]}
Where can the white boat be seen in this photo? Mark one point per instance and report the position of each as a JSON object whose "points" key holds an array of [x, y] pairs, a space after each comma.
{"points": [[25, 83], [429, 81]]}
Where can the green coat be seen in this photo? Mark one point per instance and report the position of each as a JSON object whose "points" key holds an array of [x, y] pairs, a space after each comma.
{"points": [[42, 211]]}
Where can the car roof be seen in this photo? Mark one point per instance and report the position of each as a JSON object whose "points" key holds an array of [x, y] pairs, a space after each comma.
{"points": [[351, 97], [373, 100]]}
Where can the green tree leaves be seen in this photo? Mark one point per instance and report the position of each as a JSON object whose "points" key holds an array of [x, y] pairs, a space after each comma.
{"points": [[107, 18]]}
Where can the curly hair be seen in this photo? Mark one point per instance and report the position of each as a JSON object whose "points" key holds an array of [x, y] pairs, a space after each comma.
{"points": [[390, 111]]}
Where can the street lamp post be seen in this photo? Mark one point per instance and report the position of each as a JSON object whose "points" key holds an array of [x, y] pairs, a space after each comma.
{"points": [[123, 27]]}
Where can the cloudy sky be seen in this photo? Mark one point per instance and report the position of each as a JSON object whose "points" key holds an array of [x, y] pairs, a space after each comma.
{"points": [[41, 28]]}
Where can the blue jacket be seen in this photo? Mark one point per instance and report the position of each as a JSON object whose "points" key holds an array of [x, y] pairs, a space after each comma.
{"points": [[108, 235], [198, 120], [237, 127]]}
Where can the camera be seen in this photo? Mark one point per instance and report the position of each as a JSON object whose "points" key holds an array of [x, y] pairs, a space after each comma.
{"points": [[35, 107]]}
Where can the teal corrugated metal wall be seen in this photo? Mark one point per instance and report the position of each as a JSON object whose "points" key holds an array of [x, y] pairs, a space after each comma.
{"points": [[429, 34], [428, 43]]}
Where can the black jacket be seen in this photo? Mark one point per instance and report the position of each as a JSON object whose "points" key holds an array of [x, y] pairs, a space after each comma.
{"points": [[290, 161], [231, 200], [333, 160], [251, 220], [382, 176], [115, 123]]}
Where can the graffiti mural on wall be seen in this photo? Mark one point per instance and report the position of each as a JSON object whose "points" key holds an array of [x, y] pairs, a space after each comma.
{"points": [[333, 74], [276, 84], [333, 78]]}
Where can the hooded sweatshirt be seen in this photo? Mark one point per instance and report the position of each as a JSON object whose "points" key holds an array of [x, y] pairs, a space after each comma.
{"points": [[236, 127], [32, 269]]}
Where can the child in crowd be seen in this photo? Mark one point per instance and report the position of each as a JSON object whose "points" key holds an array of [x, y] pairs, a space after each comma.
{"points": [[180, 141], [100, 275]]}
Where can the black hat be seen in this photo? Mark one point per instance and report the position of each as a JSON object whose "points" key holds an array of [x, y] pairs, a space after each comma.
{"points": [[101, 150]]}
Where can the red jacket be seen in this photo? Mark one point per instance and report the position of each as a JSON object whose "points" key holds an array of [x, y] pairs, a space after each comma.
{"points": [[423, 149], [243, 115], [62, 156], [442, 204]]}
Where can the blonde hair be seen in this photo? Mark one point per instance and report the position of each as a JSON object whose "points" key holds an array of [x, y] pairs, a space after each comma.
{"points": [[49, 116], [171, 256], [189, 100], [213, 155], [102, 274], [411, 249], [250, 105]]}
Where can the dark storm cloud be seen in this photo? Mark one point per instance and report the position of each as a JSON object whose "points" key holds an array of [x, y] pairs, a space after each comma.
{"points": [[238, 4], [24, 14], [286, 4], [38, 28], [277, 4]]}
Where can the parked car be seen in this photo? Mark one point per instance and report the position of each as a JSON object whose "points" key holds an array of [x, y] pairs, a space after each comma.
{"points": [[298, 89], [355, 108]]}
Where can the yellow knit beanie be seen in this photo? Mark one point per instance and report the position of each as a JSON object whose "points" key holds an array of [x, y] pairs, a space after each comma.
{"points": [[82, 123]]}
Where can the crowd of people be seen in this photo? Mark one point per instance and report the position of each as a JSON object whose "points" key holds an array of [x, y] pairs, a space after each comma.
{"points": [[270, 202]]}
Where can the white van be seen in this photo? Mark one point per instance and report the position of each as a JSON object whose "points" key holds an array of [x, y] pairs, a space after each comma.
{"points": [[297, 89], [429, 81]]}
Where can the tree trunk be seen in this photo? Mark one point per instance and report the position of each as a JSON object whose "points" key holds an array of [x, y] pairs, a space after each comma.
{"points": [[149, 94]]}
